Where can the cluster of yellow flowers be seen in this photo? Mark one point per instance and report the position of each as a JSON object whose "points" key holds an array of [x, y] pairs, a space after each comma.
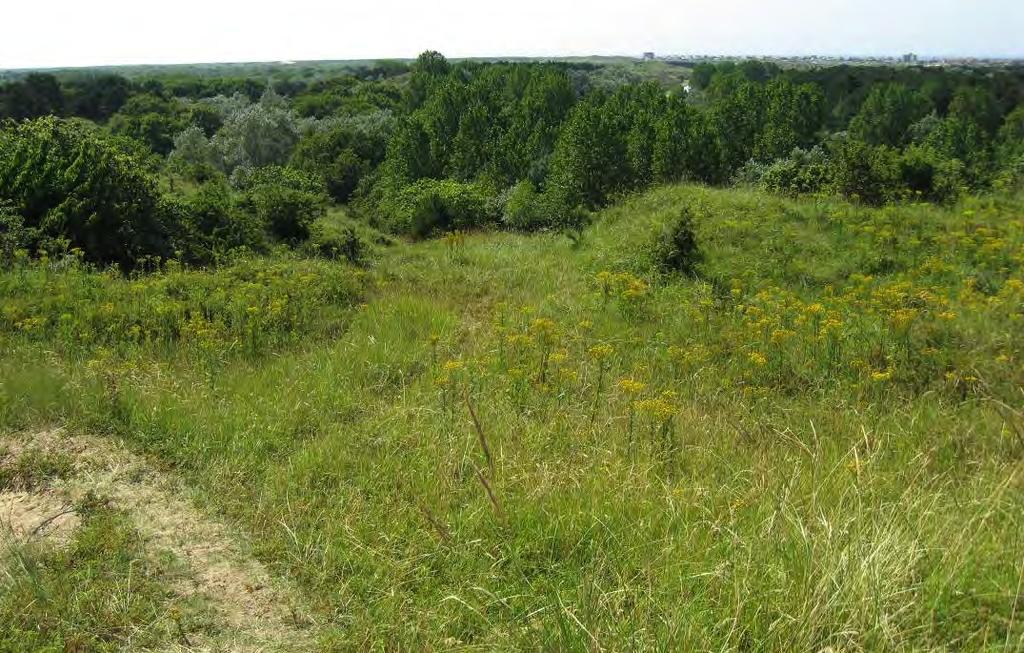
{"points": [[658, 409], [631, 386], [629, 289], [601, 351], [248, 304], [907, 321]]}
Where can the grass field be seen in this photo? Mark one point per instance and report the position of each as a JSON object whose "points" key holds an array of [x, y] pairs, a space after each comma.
{"points": [[493, 441]]}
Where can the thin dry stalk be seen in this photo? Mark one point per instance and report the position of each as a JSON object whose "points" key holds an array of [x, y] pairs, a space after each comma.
{"points": [[480, 434], [441, 530], [498, 510]]}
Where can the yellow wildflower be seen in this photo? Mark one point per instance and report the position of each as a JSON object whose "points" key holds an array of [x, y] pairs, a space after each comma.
{"points": [[657, 409], [631, 386]]}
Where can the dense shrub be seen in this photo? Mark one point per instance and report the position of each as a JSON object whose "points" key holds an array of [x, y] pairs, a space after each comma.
{"points": [[338, 242], [285, 200], [928, 175], [589, 162], [803, 171], [522, 208], [332, 154], [860, 171], [888, 113], [526, 209], [13, 235], [675, 245], [865, 172], [150, 119], [431, 206], [1010, 140], [194, 156], [211, 226], [67, 181], [428, 152], [685, 147], [963, 139]]}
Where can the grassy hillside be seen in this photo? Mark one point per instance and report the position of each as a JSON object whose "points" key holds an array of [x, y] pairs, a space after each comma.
{"points": [[493, 441]]}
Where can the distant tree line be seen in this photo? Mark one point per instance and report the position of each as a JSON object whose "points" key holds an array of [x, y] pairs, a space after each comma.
{"points": [[194, 167]]}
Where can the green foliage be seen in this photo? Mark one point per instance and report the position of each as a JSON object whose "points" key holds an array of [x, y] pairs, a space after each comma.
{"points": [[866, 173], [526, 209], [675, 248], [97, 96], [737, 118], [469, 154], [259, 134], [1011, 136], [887, 114], [68, 182], [803, 171], [13, 235], [522, 207], [287, 201], [245, 306], [589, 163], [429, 68], [930, 176], [212, 226], [342, 152], [793, 116], [685, 146], [342, 242], [495, 124], [874, 175], [39, 94], [150, 119], [346, 96], [409, 155], [194, 156], [963, 139], [430, 206], [702, 74], [581, 133], [977, 104]]}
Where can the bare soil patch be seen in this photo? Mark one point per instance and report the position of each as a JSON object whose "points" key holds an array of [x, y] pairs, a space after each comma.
{"points": [[257, 612]]}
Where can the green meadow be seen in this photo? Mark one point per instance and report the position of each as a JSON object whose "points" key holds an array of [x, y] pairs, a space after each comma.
{"points": [[710, 420]]}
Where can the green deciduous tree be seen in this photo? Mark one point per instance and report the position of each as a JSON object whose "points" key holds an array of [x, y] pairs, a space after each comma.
{"points": [[793, 115], [152, 120], [684, 145], [39, 94], [260, 134], [887, 114]]}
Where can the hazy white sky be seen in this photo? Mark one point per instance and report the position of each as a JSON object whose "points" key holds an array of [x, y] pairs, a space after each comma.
{"points": [[44, 33]]}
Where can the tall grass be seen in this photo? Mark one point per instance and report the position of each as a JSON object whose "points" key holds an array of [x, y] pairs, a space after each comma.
{"points": [[648, 482]]}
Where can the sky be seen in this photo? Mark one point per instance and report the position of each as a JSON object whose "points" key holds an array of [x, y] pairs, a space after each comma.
{"points": [[59, 33]]}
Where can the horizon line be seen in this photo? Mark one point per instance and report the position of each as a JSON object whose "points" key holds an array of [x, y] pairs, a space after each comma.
{"points": [[920, 57]]}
